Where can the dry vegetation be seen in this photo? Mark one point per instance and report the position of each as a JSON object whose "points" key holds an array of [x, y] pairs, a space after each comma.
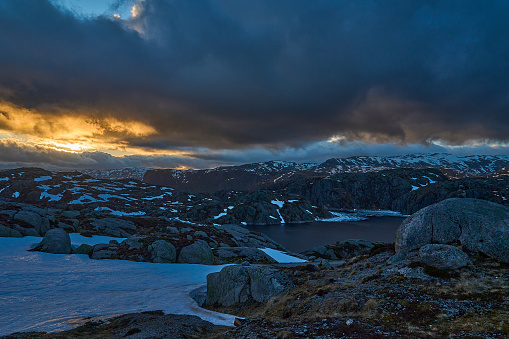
{"points": [[384, 300]]}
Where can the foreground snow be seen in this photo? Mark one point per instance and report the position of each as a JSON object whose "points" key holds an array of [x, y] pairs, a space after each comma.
{"points": [[51, 292]]}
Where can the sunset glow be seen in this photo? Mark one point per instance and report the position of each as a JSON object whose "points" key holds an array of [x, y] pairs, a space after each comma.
{"points": [[181, 84]]}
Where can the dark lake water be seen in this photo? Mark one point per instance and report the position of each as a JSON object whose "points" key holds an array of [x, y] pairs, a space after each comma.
{"points": [[302, 237]]}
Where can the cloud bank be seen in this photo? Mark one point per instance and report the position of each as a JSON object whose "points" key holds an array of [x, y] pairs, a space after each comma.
{"points": [[270, 74]]}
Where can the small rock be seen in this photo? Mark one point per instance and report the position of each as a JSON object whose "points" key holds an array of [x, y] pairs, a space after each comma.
{"points": [[443, 256], [200, 234], [246, 263], [83, 249], [325, 265]]}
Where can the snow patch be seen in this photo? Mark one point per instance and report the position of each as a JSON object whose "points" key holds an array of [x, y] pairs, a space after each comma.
{"points": [[119, 213], [71, 287], [52, 197], [281, 257], [43, 178], [278, 203]]}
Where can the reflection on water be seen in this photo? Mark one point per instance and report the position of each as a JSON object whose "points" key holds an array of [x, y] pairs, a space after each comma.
{"points": [[302, 237]]}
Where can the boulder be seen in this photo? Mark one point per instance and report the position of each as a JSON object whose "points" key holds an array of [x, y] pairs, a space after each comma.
{"points": [[162, 251], [253, 255], [479, 225], [197, 253], [66, 227], [9, 232], [41, 224], [83, 249], [445, 257], [32, 232], [104, 251], [228, 287], [239, 284], [134, 242], [70, 214], [55, 241]]}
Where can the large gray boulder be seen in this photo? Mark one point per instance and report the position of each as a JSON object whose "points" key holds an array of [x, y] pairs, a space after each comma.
{"points": [[162, 251], [41, 224], [55, 241], [9, 232], [239, 284], [443, 256], [197, 253], [479, 225]]}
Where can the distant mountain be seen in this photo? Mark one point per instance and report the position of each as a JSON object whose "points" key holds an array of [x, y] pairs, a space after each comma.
{"points": [[116, 174], [467, 165], [236, 178], [259, 175]]}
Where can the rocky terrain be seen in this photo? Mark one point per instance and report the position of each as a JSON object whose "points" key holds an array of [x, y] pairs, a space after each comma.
{"points": [[286, 200], [83, 196], [446, 276], [450, 282]]}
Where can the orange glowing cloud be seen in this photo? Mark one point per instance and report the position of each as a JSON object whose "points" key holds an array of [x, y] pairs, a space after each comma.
{"points": [[70, 132]]}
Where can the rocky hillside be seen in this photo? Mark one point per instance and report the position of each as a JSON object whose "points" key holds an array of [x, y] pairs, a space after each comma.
{"points": [[468, 165], [87, 196], [256, 175], [297, 198], [237, 178]]}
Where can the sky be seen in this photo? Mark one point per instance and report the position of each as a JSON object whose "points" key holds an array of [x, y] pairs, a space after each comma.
{"points": [[198, 84]]}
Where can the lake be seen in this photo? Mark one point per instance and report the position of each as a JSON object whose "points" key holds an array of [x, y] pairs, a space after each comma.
{"points": [[302, 237]]}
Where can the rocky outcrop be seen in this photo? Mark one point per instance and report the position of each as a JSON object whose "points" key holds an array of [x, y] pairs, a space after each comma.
{"points": [[343, 249], [241, 254], [115, 227], [240, 284], [244, 238], [55, 241], [39, 223], [443, 256], [479, 225], [104, 251], [197, 253], [491, 189], [9, 232]]}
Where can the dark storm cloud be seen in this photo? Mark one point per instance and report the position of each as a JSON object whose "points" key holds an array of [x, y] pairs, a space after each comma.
{"points": [[239, 73]]}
